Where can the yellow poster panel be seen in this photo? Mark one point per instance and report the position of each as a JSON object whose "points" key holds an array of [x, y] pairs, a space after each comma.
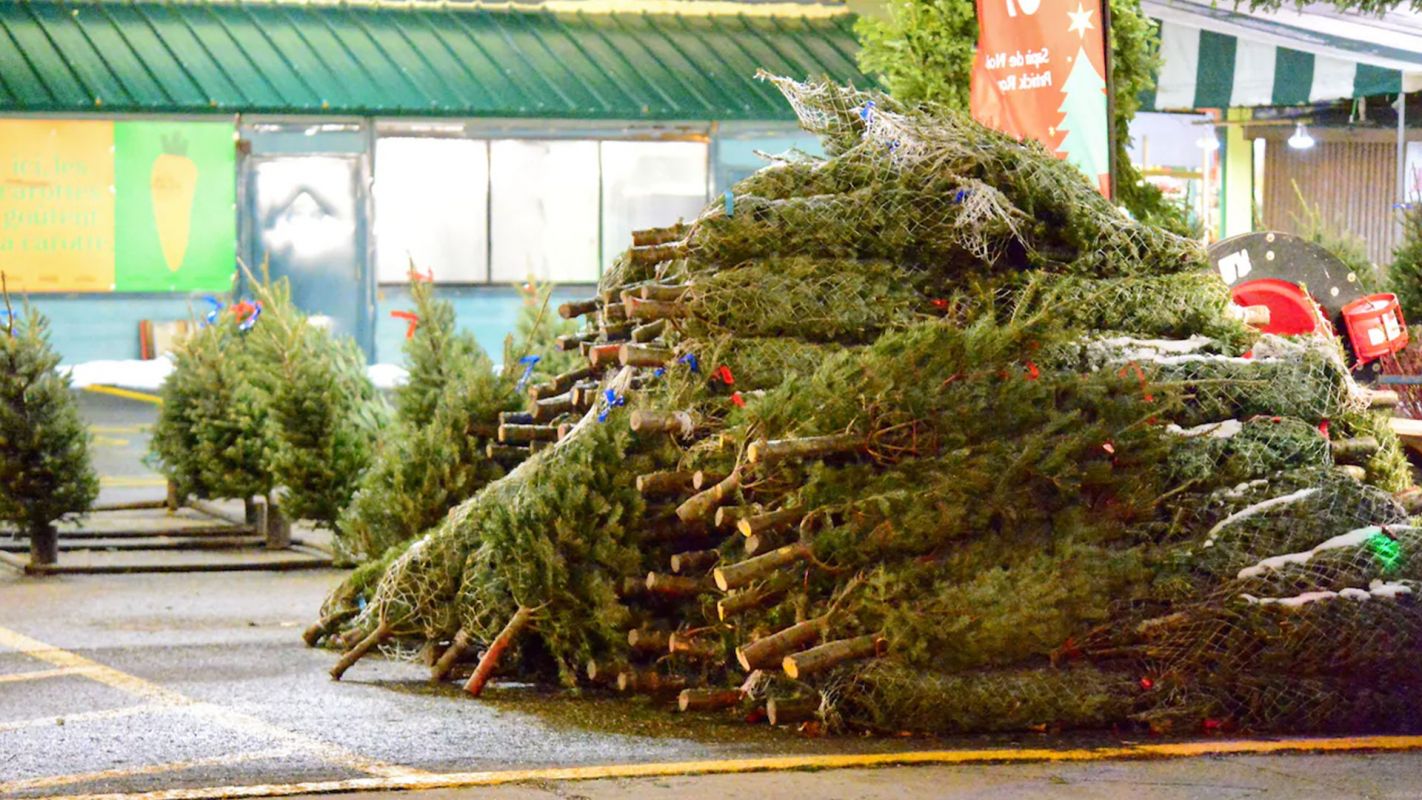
{"points": [[57, 205]]}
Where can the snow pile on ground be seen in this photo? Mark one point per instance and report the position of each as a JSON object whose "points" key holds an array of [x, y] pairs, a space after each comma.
{"points": [[146, 374], [149, 374]]}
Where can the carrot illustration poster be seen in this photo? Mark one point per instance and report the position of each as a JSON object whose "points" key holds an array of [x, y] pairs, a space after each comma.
{"points": [[176, 218], [103, 206]]}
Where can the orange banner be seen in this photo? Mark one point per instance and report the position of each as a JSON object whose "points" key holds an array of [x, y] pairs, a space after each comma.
{"points": [[1040, 73], [57, 205]]}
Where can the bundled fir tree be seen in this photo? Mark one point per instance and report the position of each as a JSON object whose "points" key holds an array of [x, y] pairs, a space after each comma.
{"points": [[435, 455], [45, 469]]}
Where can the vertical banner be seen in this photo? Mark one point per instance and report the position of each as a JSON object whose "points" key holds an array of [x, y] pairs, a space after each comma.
{"points": [[1040, 73], [104, 206]]}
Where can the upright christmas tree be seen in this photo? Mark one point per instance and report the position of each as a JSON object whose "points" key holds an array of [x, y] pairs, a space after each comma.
{"points": [[1084, 105], [323, 414], [45, 469]]}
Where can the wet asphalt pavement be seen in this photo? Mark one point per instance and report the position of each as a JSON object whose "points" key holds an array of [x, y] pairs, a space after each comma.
{"points": [[136, 683]]}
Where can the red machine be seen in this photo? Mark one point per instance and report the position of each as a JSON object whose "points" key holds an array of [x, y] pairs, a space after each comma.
{"points": [[1308, 289]]}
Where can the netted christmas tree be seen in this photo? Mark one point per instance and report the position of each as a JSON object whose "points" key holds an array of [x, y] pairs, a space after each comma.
{"points": [[435, 454], [46, 472], [926, 437]]}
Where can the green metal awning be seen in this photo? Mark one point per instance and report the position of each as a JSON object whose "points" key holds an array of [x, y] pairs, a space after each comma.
{"points": [[409, 60], [1217, 57]]}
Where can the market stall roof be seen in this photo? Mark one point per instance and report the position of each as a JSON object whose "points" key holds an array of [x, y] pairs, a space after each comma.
{"points": [[1214, 57], [564, 60]]}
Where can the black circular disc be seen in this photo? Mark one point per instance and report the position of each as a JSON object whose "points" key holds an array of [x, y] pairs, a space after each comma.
{"points": [[1286, 257]]}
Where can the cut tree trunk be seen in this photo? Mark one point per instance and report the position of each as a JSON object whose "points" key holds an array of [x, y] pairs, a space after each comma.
{"points": [[676, 423], [758, 544], [323, 627], [648, 640], [768, 651], [1382, 398], [44, 544], [1353, 471], [729, 516], [601, 355], [663, 294], [808, 447], [648, 682], [646, 333], [1353, 451], [694, 562], [577, 308], [490, 661], [458, 647], [754, 596], [734, 576], [553, 407], [661, 484], [572, 341], [708, 699], [371, 641], [520, 434], [704, 504], [654, 254], [705, 478], [829, 654], [676, 585], [648, 310], [650, 236], [771, 522], [790, 710], [694, 648], [276, 526], [614, 312]]}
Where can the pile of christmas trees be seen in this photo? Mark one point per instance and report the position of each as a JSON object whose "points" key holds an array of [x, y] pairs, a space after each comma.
{"points": [[926, 436]]}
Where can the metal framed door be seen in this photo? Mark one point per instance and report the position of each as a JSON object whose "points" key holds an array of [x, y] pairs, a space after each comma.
{"points": [[307, 215]]}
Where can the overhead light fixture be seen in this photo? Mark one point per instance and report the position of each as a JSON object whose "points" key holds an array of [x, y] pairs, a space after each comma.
{"points": [[1301, 140], [1208, 142]]}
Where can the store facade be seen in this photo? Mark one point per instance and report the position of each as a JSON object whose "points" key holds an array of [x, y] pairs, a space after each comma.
{"points": [[486, 146]]}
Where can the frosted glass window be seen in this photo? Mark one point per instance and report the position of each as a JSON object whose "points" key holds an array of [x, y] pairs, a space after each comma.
{"points": [[544, 210], [648, 185], [431, 204]]}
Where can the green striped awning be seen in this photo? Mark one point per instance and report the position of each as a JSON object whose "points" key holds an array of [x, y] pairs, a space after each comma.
{"points": [[434, 59], [1212, 57], [1204, 69]]}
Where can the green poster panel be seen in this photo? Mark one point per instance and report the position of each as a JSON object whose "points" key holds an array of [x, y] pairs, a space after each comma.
{"points": [[175, 194]]}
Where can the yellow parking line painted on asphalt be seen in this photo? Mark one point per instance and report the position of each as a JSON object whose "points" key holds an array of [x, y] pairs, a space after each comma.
{"points": [[463, 780], [108, 676], [43, 674], [31, 784], [134, 482], [127, 394], [82, 716], [119, 428], [226, 717]]}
